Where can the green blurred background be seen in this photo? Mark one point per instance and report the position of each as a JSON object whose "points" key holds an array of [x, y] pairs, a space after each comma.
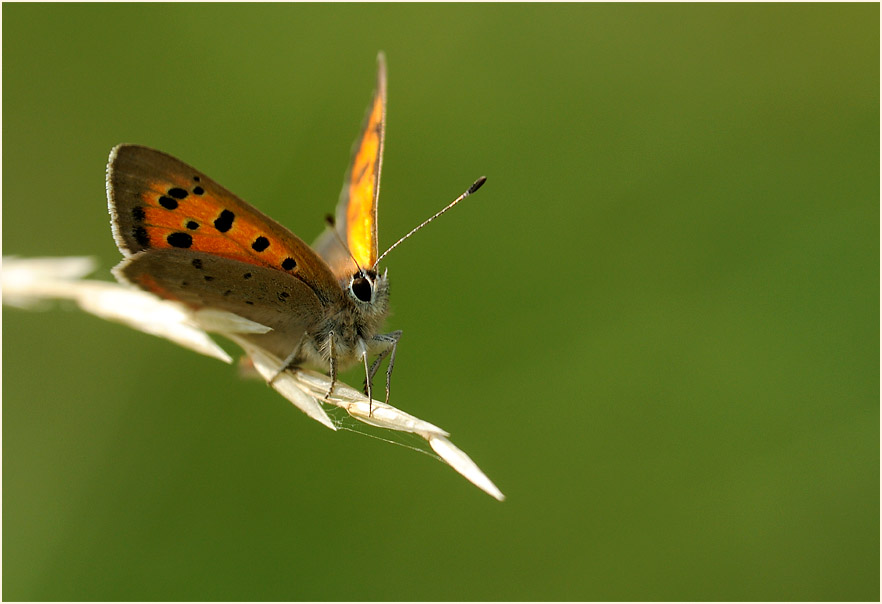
{"points": [[655, 328]]}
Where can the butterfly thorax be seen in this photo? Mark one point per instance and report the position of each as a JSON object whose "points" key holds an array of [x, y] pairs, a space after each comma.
{"points": [[351, 322]]}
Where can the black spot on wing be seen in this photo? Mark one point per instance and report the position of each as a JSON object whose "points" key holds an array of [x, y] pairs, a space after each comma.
{"points": [[141, 236], [181, 240], [224, 222], [260, 244]]}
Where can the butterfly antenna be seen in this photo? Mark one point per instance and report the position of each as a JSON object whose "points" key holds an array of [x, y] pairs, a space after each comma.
{"points": [[475, 186], [333, 224]]}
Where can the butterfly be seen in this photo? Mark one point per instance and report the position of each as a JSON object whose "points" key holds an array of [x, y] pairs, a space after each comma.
{"points": [[186, 238]]}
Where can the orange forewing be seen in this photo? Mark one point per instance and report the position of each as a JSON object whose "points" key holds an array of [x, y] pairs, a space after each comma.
{"points": [[195, 216], [362, 186], [159, 202]]}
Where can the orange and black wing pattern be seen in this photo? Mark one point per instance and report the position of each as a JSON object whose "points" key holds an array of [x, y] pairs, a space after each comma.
{"points": [[159, 202], [356, 219]]}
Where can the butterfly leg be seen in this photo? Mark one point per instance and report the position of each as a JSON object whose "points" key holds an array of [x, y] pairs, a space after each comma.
{"points": [[333, 358], [391, 342], [367, 389], [290, 362]]}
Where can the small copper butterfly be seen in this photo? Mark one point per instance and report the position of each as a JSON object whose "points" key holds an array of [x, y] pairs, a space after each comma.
{"points": [[186, 238]]}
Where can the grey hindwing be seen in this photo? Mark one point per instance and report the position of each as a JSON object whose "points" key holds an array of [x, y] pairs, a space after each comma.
{"points": [[201, 280]]}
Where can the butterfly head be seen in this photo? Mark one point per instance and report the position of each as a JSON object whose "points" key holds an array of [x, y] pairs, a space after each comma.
{"points": [[369, 291]]}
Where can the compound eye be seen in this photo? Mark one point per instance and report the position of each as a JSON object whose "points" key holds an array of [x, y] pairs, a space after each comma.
{"points": [[361, 288]]}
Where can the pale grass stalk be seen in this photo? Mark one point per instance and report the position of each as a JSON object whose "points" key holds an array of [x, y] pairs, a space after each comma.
{"points": [[31, 282]]}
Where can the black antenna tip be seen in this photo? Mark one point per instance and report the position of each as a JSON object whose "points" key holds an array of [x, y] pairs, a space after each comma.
{"points": [[329, 220], [478, 184]]}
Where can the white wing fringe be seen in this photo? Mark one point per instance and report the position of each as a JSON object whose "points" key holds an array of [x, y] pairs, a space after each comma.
{"points": [[29, 283]]}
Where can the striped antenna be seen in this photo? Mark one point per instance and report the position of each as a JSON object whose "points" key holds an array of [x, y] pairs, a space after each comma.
{"points": [[475, 186]]}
